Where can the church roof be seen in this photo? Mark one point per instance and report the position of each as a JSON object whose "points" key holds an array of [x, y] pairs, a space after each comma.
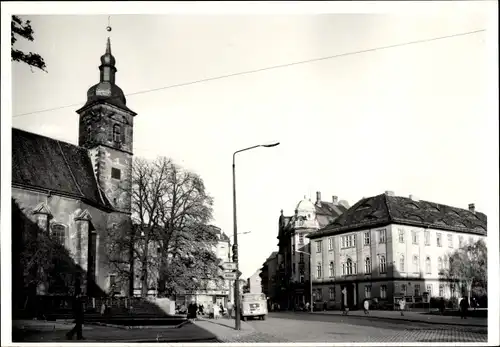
{"points": [[385, 209], [40, 162]]}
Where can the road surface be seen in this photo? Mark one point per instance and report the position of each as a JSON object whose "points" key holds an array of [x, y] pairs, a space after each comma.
{"points": [[306, 327]]}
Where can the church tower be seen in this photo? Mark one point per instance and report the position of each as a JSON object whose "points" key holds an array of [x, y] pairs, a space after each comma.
{"points": [[106, 130]]}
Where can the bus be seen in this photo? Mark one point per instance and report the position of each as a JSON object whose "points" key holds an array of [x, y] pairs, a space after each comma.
{"points": [[253, 305]]}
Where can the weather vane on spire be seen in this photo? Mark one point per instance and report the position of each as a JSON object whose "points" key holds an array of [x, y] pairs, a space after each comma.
{"points": [[108, 28]]}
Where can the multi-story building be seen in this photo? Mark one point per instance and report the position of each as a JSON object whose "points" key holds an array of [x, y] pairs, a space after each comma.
{"points": [[388, 246], [293, 253], [268, 276], [254, 283], [217, 291]]}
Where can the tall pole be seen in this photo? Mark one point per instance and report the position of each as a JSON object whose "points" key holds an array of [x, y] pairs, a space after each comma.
{"points": [[235, 236], [235, 255], [311, 276]]}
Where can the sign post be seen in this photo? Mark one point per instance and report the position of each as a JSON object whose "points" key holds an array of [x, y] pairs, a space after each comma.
{"points": [[228, 266], [230, 276]]}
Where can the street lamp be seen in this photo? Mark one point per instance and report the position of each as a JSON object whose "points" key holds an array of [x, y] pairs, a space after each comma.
{"points": [[235, 234], [310, 277]]}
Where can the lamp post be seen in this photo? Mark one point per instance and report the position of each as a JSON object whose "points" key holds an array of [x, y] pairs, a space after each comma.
{"points": [[229, 257], [310, 277], [235, 235]]}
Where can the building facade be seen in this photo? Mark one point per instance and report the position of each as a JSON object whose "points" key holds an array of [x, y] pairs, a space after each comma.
{"points": [[78, 194], [387, 247], [254, 283], [268, 274], [293, 247]]}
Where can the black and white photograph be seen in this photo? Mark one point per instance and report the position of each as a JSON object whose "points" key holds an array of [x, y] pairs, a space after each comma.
{"points": [[262, 172]]}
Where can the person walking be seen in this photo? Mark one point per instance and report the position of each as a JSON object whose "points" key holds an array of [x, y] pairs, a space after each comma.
{"points": [[216, 311], [402, 304], [442, 306], [464, 307], [78, 314], [230, 309], [366, 306], [344, 305]]}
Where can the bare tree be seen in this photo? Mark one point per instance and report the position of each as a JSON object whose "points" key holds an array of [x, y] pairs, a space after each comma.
{"points": [[468, 266], [169, 237]]}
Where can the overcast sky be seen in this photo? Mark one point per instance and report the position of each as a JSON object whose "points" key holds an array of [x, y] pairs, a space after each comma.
{"points": [[414, 119]]}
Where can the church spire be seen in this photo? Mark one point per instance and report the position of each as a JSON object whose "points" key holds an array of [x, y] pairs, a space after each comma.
{"points": [[108, 69]]}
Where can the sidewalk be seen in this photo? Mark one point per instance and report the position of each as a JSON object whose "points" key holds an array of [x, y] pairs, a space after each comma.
{"points": [[224, 328], [43, 331], [423, 317]]}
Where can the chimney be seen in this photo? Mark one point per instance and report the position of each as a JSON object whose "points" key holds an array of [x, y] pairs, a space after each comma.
{"points": [[335, 200], [472, 208], [413, 197], [389, 193], [318, 197]]}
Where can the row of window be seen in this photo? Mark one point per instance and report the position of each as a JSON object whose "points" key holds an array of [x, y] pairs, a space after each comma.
{"points": [[383, 291], [318, 294], [349, 241], [442, 264], [429, 288], [427, 238], [350, 268]]}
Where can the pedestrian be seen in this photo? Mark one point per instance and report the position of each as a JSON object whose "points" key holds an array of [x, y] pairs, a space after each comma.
{"points": [[216, 311], [230, 309], [464, 307], [103, 308], [402, 304], [442, 307], [324, 306], [366, 306], [192, 308], [78, 314], [344, 305], [308, 306]]}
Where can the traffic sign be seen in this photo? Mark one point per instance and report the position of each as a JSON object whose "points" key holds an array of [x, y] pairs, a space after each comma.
{"points": [[228, 266], [229, 275]]}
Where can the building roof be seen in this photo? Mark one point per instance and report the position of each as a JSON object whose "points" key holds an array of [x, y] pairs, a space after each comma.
{"points": [[222, 236], [40, 162], [384, 209], [327, 212]]}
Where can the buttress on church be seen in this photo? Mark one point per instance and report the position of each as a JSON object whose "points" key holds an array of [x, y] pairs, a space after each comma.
{"points": [[76, 194]]}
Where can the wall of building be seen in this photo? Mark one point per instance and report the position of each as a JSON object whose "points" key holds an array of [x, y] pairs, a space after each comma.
{"points": [[64, 212], [254, 282], [394, 279]]}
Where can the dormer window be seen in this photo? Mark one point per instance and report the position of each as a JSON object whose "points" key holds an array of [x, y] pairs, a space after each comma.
{"points": [[117, 133]]}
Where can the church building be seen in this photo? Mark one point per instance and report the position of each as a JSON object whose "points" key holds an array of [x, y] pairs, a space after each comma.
{"points": [[79, 194]]}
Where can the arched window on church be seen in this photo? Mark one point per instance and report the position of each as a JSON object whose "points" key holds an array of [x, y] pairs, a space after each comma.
{"points": [[117, 133], [58, 233]]}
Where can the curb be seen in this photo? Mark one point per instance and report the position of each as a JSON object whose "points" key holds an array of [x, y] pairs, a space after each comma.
{"points": [[139, 327], [409, 320]]}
